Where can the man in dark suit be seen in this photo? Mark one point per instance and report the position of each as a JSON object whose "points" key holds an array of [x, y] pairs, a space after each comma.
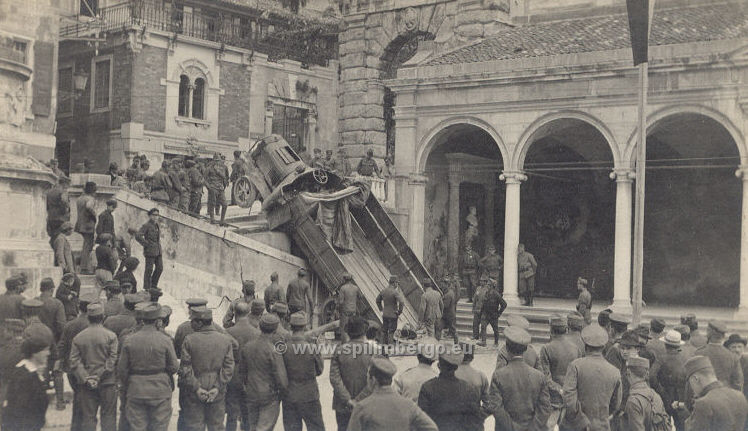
{"points": [[726, 365], [106, 219], [149, 236], [716, 407]]}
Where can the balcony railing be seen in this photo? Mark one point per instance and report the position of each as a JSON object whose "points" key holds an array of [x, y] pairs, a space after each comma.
{"points": [[381, 188]]}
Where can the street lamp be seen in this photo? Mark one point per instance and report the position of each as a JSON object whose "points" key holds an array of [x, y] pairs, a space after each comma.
{"points": [[79, 83]]}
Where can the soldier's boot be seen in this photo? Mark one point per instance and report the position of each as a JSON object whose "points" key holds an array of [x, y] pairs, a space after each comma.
{"points": [[223, 212]]}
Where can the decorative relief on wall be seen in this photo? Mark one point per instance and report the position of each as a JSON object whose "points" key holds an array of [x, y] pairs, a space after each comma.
{"points": [[12, 101]]}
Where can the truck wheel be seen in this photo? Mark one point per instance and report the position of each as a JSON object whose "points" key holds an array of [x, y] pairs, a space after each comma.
{"points": [[244, 192]]}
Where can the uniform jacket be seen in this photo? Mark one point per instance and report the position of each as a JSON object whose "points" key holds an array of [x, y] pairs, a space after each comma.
{"points": [[296, 292], [400, 414], [94, 353], [105, 224], [688, 350], [409, 382], [584, 305], [348, 298], [452, 403], [121, 321], [64, 254], [263, 371], [718, 408], [490, 300], [592, 392], [273, 293], [642, 402], [127, 276], [147, 364], [469, 262], [228, 318], [491, 263], [555, 358], [177, 188], [64, 346], [184, 180], [450, 304], [183, 330], [114, 306], [476, 379], [216, 177], [160, 185], [527, 265], [698, 339], [431, 306], [348, 374], [10, 306], [196, 180], [26, 409], [726, 365], [207, 361], [302, 368], [149, 236], [58, 204], [519, 397], [671, 380], [390, 301], [53, 315], [657, 346], [575, 337], [478, 297], [243, 333], [530, 356], [86, 221]]}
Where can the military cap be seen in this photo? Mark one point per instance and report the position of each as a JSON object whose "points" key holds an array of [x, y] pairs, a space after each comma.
{"points": [[594, 336], [32, 303], [383, 365], [280, 308], [683, 329], [453, 355], [357, 326], [619, 318], [672, 338], [518, 321], [165, 312], [575, 320], [657, 325], [269, 322], [150, 311], [298, 319], [718, 326], [428, 348], [152, 211], [133, 298], [141, 305], [630, 339], [46, 284], [636, 361], [66, 226], [257, 305], [393, 279], [697, 363], [685, 319], [248, 284], [643, 330], [144, 295], [109, 284], [202, 313], [735, 339], [558, 321], [89, 297], [105, 237], [15, 281], [196, 302], [95, 309], [346, 276], [517, 335], [17, 325]]}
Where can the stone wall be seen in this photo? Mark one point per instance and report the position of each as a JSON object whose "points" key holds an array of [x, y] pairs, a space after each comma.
{"points": [[233, 105], [147, 92]]}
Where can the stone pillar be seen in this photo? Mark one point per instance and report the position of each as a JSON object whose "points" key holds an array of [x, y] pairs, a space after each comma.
{"points": [[417, 183], [513, 180], [453, 223], [622, 260], [743, 304], [488, 218], [311, 132], [268, 118]]}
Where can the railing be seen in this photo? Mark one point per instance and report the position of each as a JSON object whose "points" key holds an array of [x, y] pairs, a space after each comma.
{"points": [[379, 186]]}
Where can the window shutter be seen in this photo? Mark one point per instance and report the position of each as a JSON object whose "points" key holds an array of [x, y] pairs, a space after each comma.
{"points": [[42, 86]]}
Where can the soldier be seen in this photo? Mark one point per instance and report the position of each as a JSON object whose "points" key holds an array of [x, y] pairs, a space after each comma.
{"points": [[317, 162], [126, 319], [470, 271], [492, 264], [344, 168], [330, 162], [409, 382], [531, 355], [185, 329], [431, 309], [263, 374], [58, 206], [736, 344], [92, 359], [161, 185], [274, 292], [670, 380], [196, 183], [236, 399], [576, 324], [299, 293], [347, 303], [726, 366], [555, 358], [216, 180], [644, 410], [149, 236], [348, 371], [400, 412], [145, 368], [106, 263], [68, 292], [618, 325], [687, 349], [698, 338], [519, 396], [474, 377], [204, 372], [64, 346], [450, 402], [10, 301], [126, 276], [85, 224], [248, 295], [478, 297], [184, 180], [527, 269], [115, 302], [584, 301], [449, 315], [367, 166], [52, 312], [390, 302], [177, 188], [493, 307], [592, 387], [303, 366], [256, 309], [281, 311], [716, 407], [106, 220], [63, 251]]}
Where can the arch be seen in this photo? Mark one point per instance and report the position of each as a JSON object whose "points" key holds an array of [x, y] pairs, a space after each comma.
{"points": [[426, 144], [193, 69], [526, 139], [654, 118]]}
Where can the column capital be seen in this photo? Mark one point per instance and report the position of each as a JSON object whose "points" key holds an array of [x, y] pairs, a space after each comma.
{"points": [[513, 177], [417, 179], [623, 175]]}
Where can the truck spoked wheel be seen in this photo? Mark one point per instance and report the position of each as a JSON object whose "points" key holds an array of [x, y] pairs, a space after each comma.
{"points": [[320, 176], [244, 192]]}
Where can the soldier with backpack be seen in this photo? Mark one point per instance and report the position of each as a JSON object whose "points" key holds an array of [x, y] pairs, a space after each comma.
{"points": [[644, 410]]}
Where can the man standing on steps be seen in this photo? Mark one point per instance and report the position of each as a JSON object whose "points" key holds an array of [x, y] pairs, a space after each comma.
{"points": [[63, 251], [584, 301], [491, 263], [390, 302], [216, 180], [347, 304], [527, 269], [149, 236], [85, 224], [493, 307], [299, 293], [431, 309], [196, 183], [58, 206], [449, 315], [478, 297], [470, 271], [161, 186]]}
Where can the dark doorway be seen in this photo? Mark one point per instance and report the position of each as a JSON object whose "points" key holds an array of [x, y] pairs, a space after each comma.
{"points": [[62, 154]]}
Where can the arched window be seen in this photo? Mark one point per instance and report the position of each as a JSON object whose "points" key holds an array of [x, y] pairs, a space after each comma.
{"points": [[198, 98], [184, 96]]}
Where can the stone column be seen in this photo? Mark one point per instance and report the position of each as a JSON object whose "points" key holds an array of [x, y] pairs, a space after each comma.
{"points": [[269, 118], [513, 180], [489, 214], [311, 131], [417, 182], [622, 253], [743, 304], [453, 223]]}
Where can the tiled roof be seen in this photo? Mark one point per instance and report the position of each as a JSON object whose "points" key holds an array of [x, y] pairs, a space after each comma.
{"points": [[602, 33]]}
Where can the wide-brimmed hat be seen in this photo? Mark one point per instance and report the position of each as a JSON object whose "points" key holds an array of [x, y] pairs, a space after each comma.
{"points": [[672, 338], [735, 338]]}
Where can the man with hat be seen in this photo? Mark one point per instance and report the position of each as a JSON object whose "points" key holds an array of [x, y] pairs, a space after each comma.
{"points": [[493, 307], [519, 396], [63, 251], [149, 236], [347, 303], [184, 197], [85, 224], [154, 294], [555, 358], [450, 402], [449, 315], [491, 264], [248, 295], [303, 366], [576, 324], [367, 166], [470, 374], [281, 310], [670, 379], [64, 346], [106, 219], [10, 301], [52, 312], [384, 409], [618, 325], [68, 292], [528, 266], [161, 186], [127, 276], [299, 293], [592, 386], [178, 189], [163, 322], [716, 406], [603, 318], [106, 262], [331, 164], [236, 403], [263, 374], [256, 308], [145, 369], [584, 301], [204, 372], [114, 300], [93, 357], [736, 344], [698, 338], [726, 366], [409, 382], [125, 319], [58, 206], [430, 309], [274, 292], [348, 370], [530, 355], [469, 268], [643, 410], [390, 302], [478, 297], [185, 328]]}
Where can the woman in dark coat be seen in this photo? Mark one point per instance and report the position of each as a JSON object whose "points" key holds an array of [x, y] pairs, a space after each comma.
{"points": [[26, 406]]}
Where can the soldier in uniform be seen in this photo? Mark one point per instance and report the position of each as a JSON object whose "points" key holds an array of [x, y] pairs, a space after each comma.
{"points": [[161, 186], [367, 166], [248, 295], [58, 206], [281, 310], [698, 338], [126, 319], [347, 303], [85, 224], [431, 309], [216, 180], [68, 292], [52, 314], [256, 308], [736, 344], [476, 378], [478, 297], [519, 396], [10, 301], [303, 366], [576, 324], [348, 371], [726, 366], [299, 293], [555, 358], [344, 168], [716, 407], [274, 292], [205, 370], [183, 330], [145, 368], [584, 301], [106, 219], [317, 162], [531, 355], [330, 162], [493, 307], [655, 343], [409, 382], [470, 271], [114, 300], [390, 302], [196, 182], [184, 180], [149, 236], [644, 409], [177, 188], [63, 251], [670, 380], [263, 374], [527, 269], [687, 349], [449, 314], [618, 325], [126, 276], [93, 357], [492, 263], [64, 346], [236, 399]]}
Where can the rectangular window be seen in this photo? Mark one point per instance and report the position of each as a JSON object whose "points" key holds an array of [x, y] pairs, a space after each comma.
{"points": [[19, 48], [291, 123], [102, 84], [287, 155], [65, 90]]}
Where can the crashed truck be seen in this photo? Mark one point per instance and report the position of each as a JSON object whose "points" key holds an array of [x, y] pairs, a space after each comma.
{"points": [[336, 223]]}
